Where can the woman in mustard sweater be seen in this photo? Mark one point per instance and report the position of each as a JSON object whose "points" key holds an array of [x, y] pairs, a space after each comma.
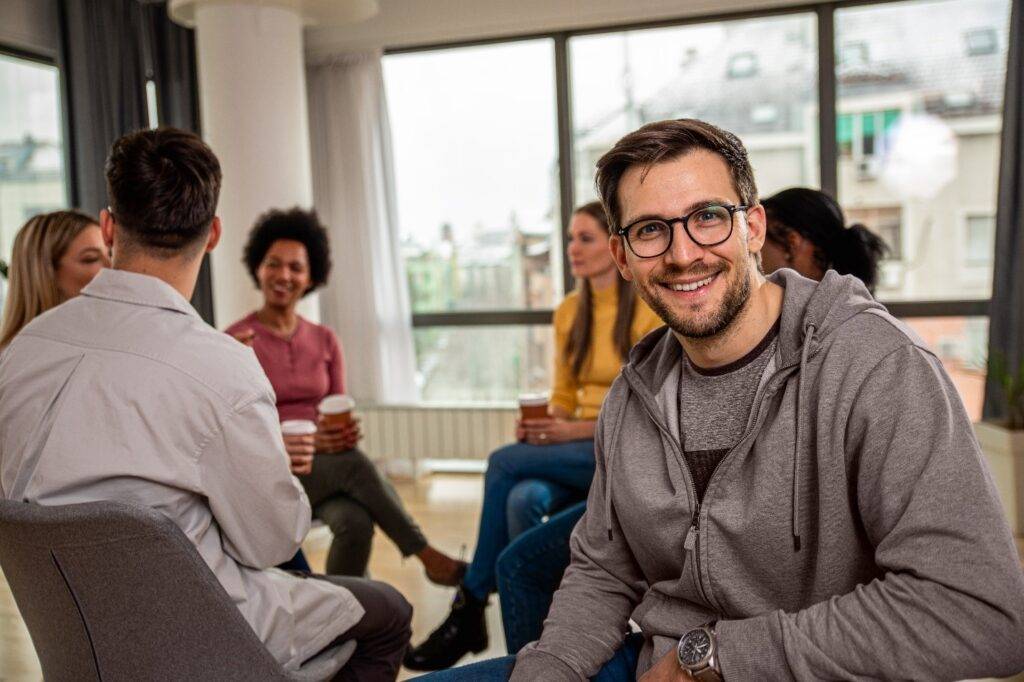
{"points": [[552, 465]]}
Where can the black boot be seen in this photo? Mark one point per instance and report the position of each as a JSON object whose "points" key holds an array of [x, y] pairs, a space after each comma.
{"points": [[463, 631]]}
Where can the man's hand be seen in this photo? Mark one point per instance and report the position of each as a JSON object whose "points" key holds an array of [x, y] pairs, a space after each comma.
{"points": [[666, 670], [337, 438], [300, 453]]}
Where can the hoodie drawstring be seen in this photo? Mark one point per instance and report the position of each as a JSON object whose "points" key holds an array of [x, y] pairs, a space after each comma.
{"points": [[608, 455], [804, 353]]}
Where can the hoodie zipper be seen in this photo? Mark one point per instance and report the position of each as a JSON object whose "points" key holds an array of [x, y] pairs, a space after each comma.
{"points": [[692, 540]]}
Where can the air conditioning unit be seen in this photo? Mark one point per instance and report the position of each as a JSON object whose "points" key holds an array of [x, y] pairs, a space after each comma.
{"points": [[869, 168]]}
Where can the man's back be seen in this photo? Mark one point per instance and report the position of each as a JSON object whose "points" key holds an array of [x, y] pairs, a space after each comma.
{"points": [[125, 394]]}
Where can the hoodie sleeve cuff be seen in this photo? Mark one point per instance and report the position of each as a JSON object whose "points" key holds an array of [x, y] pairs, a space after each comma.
{"points": [[533, 664], [751, 649]]}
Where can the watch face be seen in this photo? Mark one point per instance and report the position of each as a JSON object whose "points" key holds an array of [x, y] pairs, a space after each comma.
{"points": [[695, 647]]}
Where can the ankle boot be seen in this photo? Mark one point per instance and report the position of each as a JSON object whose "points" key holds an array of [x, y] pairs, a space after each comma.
{"points": [[462, 632]]}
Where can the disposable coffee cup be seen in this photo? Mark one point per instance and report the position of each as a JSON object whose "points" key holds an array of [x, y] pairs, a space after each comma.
{"points": [[533, 406], [298, 427], [336, 410]]}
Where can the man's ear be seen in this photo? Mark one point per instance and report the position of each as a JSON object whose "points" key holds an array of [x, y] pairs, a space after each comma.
{"points": [[215, 232], [757, 228], [107, 226], [618, 249]]}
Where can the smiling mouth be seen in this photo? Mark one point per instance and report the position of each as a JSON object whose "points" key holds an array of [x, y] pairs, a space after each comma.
{"points": [[690, 287]]}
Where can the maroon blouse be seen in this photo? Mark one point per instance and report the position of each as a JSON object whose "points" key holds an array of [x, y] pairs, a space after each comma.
{"points": [[302, 369]]}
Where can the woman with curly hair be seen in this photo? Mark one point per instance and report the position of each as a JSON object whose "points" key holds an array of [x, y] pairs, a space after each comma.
{"points": [[54, 256], [288, 256]]}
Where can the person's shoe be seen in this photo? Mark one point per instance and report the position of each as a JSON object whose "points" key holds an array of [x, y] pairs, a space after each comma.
{"points": [[464, 631]]}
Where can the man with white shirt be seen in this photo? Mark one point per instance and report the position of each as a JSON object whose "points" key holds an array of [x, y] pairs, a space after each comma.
{"points": [[124, 393]]}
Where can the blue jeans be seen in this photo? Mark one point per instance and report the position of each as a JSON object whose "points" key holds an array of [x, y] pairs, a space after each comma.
{"points": [[621, 668], [564, 472], [529, 572]]}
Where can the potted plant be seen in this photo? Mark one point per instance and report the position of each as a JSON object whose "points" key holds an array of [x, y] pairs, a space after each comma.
{"points": [[1003, 441]]}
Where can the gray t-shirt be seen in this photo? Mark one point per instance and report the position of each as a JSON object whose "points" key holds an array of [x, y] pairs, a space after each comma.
{"points": [[714, 406]]}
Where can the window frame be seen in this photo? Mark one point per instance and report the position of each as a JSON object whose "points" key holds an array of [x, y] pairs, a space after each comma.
{"points": [[64, 99], [828, 152]]}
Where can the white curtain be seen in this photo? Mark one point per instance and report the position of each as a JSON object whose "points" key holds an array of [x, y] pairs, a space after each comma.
{"points": [[366, 303]]}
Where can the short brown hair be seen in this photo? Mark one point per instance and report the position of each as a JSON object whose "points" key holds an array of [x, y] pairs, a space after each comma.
{"points": [[163, 186], [664, 141]]}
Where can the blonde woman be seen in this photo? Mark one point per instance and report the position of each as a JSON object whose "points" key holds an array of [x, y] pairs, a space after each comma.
{"points": [[54, 256]]}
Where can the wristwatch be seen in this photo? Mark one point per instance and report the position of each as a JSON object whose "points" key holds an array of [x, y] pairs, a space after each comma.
{"points": [[697, 654]]}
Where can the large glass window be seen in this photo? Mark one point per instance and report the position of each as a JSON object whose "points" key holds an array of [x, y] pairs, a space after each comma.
{"points": [[918, 125], [31, 145], [754, 77], [482, 364], [475, 148]]}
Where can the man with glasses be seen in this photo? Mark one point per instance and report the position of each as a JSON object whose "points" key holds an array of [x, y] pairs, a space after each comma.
{"points": [[787, 485]]}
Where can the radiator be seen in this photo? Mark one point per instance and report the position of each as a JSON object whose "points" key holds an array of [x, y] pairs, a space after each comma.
{"points": [[402, 437]]}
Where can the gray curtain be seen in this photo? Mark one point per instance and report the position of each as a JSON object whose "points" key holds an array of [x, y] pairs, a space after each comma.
{"points": [[110, 49], [1006, 315], [172, 66], [105, 69]]}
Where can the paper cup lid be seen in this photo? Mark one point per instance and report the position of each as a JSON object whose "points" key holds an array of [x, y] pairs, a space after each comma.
{"points": [[336, 404], [533, 399], [298, 427]]}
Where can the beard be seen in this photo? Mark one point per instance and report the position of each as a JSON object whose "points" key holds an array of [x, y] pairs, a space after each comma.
{"points": [[699, 324]]}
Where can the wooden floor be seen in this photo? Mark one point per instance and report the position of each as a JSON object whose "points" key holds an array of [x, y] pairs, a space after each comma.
{"points": [[446, 505]]}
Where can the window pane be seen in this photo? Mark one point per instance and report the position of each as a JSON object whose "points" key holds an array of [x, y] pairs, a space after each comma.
{"points": [[482, 364], [475, 149], [31, 145], [925, 108], [962, 345], [754, 77]]}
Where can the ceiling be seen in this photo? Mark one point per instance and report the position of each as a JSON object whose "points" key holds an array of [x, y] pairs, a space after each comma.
{"points": [[404, 23]]}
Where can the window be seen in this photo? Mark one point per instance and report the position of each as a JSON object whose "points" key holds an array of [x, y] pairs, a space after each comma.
{"points": [[919, 132], [743, 65], [476, 174], [980, 232], [962, 345], [918, 88], [981, 41], [482, 364], [31, 145], [621, 80]]}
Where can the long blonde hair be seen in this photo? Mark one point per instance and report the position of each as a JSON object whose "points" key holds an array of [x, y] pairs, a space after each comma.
{"points": [[38, 248]]}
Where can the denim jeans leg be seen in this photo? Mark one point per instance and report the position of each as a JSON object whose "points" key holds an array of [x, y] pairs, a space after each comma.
{"points": [[568, 464], [530, 501], [529, 572], [621, 667]]}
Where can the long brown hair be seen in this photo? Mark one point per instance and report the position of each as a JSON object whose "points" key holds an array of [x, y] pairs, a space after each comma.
{"points": [[577, 346], [38, 248]]}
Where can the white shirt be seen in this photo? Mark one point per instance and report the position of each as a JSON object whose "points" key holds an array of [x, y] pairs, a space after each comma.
{"points": [[124, 393]]}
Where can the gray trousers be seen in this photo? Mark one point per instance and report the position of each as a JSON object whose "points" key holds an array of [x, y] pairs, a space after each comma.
{"points": [[348, 493]]}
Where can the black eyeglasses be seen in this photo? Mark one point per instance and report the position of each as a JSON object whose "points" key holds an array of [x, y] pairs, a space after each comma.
{"points": [[707, 226]]}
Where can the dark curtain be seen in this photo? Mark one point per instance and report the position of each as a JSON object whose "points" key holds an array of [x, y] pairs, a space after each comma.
{"points": [[172, 50], [111, 48], [105, 64], [1006, 314]]}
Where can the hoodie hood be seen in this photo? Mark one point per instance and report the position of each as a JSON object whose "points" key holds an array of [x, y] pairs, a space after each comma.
{"points": [[812, 313]]}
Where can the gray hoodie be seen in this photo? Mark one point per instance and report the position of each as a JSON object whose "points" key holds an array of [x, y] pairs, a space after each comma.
{"points": [[853, 533]]}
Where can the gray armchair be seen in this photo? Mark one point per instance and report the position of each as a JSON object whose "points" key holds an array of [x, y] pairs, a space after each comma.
{"points": [[115, 592]]}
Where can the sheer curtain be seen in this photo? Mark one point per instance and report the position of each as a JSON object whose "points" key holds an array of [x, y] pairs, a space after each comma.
{"points": [[367, 302]]}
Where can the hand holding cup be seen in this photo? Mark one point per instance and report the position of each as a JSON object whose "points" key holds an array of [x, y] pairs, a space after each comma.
{"points": [[338, 430], [299, 442]]}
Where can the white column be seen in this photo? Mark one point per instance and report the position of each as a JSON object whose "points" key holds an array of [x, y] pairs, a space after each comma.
{"points": [[252, 93]]}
